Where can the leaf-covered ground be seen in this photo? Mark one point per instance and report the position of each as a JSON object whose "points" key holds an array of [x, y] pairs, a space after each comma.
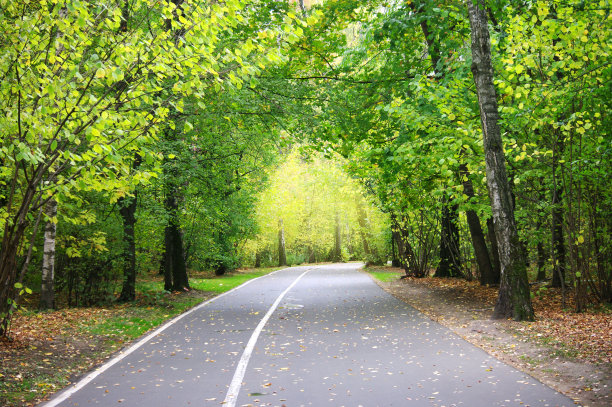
{"points": [[568, 351]]}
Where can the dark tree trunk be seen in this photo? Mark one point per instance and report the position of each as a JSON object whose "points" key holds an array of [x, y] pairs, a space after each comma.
{"points": [[395, 262], [175, 271], [401, 252], [312, 258], [47, 290], [282, 254], [450, 262], [478, 239], [395, 259], [13, 235], [494, 253], [481, 252], [127, 209], [258, 259], [396, 235], [514, 296], [558, 240], [407, 258], [541, 276]]}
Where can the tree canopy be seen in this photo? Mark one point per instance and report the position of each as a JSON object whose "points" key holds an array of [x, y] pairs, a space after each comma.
{"points": [[469, 139]]}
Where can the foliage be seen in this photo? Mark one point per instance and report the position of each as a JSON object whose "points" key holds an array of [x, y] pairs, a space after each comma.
{"points": [[90, 90], [397, 100], [309, 194]]}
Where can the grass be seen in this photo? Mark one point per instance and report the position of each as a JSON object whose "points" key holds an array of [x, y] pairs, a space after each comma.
{"points": [[155, 307], [528, 359], [385, 276], [227, 282], [27, 390], [135, 320]]}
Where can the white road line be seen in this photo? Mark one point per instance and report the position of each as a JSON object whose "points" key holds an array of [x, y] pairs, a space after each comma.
{"points": [[87, 379], [236, 384]]}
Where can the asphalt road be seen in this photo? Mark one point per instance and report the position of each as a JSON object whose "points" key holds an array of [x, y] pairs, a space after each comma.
{"points": [[306, 336]]}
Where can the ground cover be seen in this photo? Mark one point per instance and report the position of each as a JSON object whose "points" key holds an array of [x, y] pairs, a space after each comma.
{"points": [[49, 350], [568, 351]]}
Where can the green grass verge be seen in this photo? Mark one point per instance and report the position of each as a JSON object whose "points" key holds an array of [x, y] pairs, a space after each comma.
{"points": [[135, 320], [225, 283], [385, 276], [155, 307]]}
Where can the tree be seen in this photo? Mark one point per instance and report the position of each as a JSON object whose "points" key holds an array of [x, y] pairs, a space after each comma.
{"points": [[514, 296], [76, 110]]}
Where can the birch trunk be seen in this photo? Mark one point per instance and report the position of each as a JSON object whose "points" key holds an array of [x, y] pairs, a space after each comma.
{"points": [[47, 292], [514, 296]]}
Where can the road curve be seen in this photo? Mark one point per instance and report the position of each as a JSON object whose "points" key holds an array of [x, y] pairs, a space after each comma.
{"points": [[306, 336]]}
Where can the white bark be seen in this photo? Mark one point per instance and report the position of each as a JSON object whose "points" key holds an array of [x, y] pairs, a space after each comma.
{"points": [[514, 297], [47, 293]]}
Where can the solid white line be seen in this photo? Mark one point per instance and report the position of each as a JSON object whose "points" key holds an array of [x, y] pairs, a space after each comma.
{"points": [[87, 379], [236, 384]]}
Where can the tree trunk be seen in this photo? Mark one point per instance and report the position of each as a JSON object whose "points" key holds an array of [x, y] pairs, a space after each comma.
{"points": [[258, 258], [47, 289], [494, 253], [395, 260], [478, 239], [450, 262], [481, 252], [514, 295], [14, 232], [401, 252], [541, 253], [282, 253], [541, 276], [407, 259], [337, 240], [558, 240], [175, 271], [312, 258], [127, 209]]}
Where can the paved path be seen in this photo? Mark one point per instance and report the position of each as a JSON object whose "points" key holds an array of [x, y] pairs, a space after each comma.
{"points": [[307, 336]]}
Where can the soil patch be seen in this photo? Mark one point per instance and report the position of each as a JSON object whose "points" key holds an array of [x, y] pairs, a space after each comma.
{"points": [[569, 352]]}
